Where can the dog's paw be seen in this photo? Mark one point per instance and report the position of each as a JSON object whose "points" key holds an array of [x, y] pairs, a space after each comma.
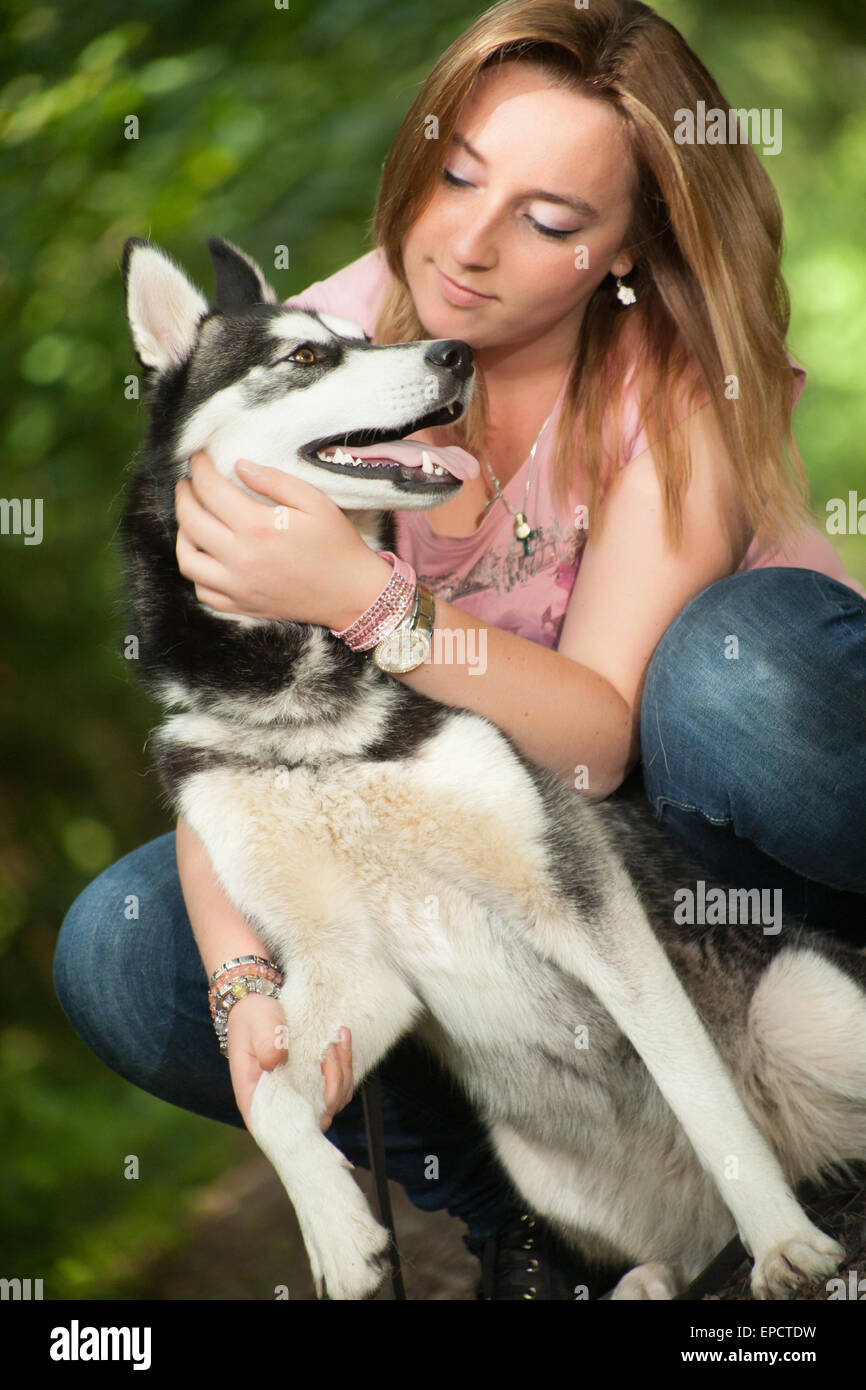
{"points": [[650, 1281], [346, 1245], [355, 1270], [806, 1255]]}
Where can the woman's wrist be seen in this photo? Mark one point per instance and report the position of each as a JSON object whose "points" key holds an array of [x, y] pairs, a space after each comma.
{"points": [[234, 982], [368, 578]]}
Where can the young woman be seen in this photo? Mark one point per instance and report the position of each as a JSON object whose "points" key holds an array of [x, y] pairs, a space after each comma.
{"points": [[636, 558]]}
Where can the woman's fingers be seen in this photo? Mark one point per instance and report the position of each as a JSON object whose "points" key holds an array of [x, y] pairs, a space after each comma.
{"points": [[339, 1082], [198, 567], [245, 1072], [205, 530]]}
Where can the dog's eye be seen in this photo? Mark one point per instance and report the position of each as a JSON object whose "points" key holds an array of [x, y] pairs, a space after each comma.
{"points": [[302, 355]]}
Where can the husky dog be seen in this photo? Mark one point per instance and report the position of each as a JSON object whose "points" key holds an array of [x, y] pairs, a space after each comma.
{"points": [[650, 1088]]}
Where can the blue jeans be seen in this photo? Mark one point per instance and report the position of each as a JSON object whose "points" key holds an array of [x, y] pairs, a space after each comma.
{"points": [[755, 763]]}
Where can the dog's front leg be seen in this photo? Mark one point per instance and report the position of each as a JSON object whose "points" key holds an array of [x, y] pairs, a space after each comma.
{"points": [[624, 964], [346, 1246], [283, 876]]}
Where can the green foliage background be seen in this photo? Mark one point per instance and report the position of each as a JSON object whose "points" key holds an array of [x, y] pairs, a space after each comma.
{"points": [[268, 126]]}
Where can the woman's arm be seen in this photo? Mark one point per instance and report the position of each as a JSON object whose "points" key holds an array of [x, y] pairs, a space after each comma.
{"points": [[580, 705], [559, 711], [631, 583], [221, 934]]}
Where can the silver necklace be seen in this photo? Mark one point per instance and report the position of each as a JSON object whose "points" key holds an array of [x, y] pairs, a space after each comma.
{"points": [[522, 530]]}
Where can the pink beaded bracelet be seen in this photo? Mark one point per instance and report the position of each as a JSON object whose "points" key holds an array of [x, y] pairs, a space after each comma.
{"points": [[385, 612]]}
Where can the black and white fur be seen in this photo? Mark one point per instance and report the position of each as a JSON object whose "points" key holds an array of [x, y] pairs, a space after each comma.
{"points": [[410, 869]]}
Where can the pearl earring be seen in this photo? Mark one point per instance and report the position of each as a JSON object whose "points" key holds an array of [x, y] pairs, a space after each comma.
{"points": [[624, 293]]}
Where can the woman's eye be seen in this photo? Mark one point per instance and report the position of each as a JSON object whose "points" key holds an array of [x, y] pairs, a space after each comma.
{"points": [[303, 355], [552, 231], [452, 178]]}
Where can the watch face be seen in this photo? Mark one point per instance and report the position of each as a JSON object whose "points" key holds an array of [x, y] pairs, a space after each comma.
{"points": [[403, 649]]}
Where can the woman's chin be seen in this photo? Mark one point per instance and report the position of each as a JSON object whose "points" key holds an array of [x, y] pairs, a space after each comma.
{"points": [[439, 323]]}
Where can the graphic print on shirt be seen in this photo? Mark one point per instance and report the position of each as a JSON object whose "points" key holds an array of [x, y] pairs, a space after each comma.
{"points": [[489, 586]]}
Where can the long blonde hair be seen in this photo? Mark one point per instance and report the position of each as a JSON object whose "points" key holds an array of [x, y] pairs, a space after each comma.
{"points": [[706, 235]]}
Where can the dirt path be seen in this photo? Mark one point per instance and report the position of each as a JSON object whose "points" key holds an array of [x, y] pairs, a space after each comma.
{"points": [[244, 1242]]}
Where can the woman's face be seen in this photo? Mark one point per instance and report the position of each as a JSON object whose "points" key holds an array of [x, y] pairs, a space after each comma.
{"points": [[485, 232]]}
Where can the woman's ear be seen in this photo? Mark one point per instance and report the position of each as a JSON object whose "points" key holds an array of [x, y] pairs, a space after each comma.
{"points": [[623, 265]]}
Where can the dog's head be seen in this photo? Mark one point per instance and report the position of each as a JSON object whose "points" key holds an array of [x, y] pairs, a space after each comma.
{"points": [[305, 392]]}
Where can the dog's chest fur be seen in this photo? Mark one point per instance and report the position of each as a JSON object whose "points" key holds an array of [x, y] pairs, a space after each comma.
{"points": [[430, 865]]}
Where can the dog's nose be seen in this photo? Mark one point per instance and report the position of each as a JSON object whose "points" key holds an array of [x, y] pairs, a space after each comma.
{"points": [[451, 353]]}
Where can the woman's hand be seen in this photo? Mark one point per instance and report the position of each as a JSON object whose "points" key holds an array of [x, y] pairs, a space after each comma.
{"points": [[254, 1032], [302, 560]]}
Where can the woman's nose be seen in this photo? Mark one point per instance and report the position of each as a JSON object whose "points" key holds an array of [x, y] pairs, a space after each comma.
{"points": [[473, 245]]}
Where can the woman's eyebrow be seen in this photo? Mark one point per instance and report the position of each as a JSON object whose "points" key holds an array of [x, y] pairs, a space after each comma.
{"points": [[578, 204]]}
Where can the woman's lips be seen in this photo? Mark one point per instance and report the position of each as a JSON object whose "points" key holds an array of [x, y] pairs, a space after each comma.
{"points": [[456, 294]]}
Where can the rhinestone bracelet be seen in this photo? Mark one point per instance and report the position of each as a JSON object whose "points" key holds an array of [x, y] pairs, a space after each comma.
{"points": [[229, 996], [240, 960], [260, 976], [231, 971], [385, 612]]}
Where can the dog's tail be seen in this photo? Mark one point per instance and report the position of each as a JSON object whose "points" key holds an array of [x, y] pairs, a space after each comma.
{"points": [[804, 1065]]}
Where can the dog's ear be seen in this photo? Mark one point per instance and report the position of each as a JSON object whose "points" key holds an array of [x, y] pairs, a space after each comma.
{"points": [[345, 328], [163, 306], [239, 281]]}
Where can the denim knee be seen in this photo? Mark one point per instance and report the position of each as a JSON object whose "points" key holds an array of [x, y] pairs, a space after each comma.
{"points": [[123, 960], [84, 956], [753, 715]]}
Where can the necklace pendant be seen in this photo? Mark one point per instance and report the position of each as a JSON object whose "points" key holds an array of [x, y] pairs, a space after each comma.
{"points": [[523, 531]]}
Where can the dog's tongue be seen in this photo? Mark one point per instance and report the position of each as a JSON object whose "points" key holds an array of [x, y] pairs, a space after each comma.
{"points": [[408, 451]]}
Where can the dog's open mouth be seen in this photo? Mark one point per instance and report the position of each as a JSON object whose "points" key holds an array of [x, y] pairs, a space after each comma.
{"points": [[386, 454]]}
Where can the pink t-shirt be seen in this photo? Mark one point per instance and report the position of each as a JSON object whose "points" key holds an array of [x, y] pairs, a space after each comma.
{"points": [[488, 572]]}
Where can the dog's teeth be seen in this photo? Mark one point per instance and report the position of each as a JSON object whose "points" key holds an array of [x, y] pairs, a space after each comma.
{"points": [[426, 462], [439, 469], [343, 456]]}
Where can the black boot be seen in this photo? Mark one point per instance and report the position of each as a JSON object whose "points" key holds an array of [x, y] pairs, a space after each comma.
{"points": [[526, 1259]]}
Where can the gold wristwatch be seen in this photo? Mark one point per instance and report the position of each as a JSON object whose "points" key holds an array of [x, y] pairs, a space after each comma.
{"points": [[407, 646]]}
